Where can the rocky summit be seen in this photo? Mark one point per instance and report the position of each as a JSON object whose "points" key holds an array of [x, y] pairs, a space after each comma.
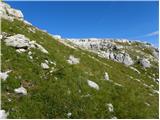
{"points": [[48, 76]]}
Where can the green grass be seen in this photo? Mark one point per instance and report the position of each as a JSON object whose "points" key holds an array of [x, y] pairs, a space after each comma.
{"points": [[48, 97]]}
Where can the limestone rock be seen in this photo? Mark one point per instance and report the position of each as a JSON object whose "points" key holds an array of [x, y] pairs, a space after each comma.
{"points": [[111, 56], [73, 60], [93, 84], [120, 57], [69, 114], [21, 90], [110, 107], [106, 48], [127, 60], [42, 49], [4, 35], [4, 75], [106, 76], [20, 50], [119, 47], [104, 54], [145, 63], [1, 37], [17, 41], [3, 114], [9, 13], [26, 22], [29, 53], [156, 54], [14, 13], [57, 36], [44, 66]]}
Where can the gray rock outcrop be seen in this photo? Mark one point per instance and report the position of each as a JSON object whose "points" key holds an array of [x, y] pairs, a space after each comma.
{"points": [[145, 63], [156, 53], [106, 48], [19, 41], [118, 57], [9, 13], [127, 60]]}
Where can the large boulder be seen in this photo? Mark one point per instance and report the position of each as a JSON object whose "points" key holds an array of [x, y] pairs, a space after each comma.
{"points": [[17, 41], [145, 63], [120, 57], [127, 60]]}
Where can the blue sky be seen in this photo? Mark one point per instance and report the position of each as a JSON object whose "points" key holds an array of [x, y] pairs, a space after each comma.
{"points": [[131, 20]]}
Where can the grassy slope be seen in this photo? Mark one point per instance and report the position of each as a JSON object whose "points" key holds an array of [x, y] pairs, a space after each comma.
{"points": [[48, 97]]}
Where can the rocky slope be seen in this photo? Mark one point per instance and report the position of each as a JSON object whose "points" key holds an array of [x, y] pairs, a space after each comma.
{"points": [[45, 76], [120, 50]]}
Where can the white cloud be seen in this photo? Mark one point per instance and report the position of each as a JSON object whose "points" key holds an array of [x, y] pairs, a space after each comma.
{"points": [[152, 34]]}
